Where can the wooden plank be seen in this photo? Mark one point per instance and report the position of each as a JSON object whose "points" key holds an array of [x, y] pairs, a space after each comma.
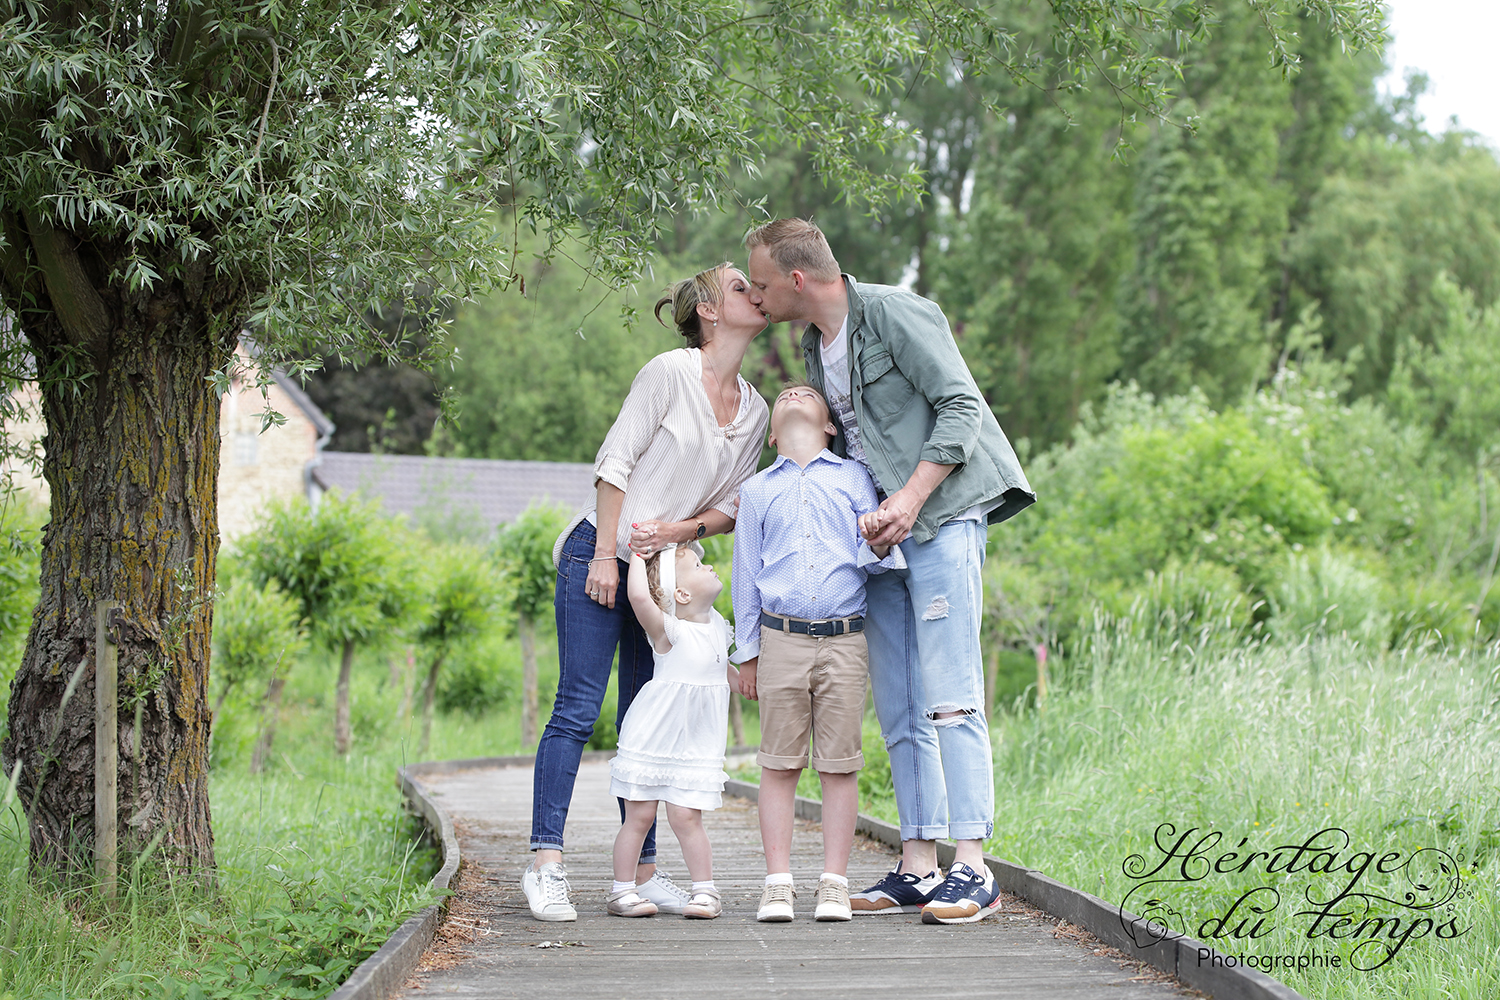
{"points": [[734, 956]]}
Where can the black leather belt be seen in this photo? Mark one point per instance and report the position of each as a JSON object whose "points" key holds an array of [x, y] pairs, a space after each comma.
{"points": [[832, 626]]}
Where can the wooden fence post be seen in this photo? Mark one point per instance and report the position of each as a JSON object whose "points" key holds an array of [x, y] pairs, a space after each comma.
{"points": [[106, 747]]}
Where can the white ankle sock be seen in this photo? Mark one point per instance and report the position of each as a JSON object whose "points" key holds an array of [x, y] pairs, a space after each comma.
{"points": [[780, 878], [621, 886], [840, 879]]}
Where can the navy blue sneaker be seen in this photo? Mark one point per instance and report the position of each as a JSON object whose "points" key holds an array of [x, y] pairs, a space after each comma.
{"points": [[896, 893], [964, 897]]}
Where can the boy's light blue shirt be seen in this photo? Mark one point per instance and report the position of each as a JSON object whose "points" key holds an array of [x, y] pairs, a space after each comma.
{"points": [[797, 547]]}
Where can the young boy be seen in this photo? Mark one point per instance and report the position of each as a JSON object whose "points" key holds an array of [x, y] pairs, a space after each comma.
{"points": [[799, 601]]}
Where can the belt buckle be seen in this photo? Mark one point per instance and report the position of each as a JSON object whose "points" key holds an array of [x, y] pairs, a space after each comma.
{"points": [[823, 627]]}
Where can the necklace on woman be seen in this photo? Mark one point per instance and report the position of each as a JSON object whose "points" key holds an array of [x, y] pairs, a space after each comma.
{"points": [[718, 396]]}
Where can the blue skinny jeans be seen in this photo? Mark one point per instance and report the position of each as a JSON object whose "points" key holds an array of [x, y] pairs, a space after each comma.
{"points": [[588, 634]]}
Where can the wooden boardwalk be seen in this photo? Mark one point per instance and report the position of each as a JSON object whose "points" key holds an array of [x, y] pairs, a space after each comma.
{"points": [[492, 948]]}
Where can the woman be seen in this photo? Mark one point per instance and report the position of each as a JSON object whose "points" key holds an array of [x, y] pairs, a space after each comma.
{"points": [[670, 470]]}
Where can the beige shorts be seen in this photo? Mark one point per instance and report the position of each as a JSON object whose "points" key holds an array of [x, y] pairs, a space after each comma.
{"points": [[811, 686]]}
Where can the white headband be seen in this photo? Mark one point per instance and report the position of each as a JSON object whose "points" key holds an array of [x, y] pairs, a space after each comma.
{"points": [[666, 572]]}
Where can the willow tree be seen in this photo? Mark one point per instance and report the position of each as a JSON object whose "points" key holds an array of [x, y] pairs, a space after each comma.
{"points": [[174, 171]]}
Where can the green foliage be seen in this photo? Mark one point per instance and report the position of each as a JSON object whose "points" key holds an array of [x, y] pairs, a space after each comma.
{"points": [[1323, 592], [318, 865], [339, 562], [1269, 743], [299, 949], [464, 591], [1136, 495], [545, 369], [524, 553], [1443, 386], [1297, 511], [20, 530], [1379, 237], [333, 158], [472, 686], [257, 633]]}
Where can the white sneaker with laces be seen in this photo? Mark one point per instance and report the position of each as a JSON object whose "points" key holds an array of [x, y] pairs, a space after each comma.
{"points": [[833, 901], [546, 890], [776, 904], [661, 890]]}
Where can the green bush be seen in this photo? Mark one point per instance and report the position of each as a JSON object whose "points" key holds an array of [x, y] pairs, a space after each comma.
{"points": [[1327, 593], [257, 634], [1188, 599]]}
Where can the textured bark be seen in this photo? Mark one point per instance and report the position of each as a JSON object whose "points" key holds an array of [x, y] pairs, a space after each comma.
{"points": [[132, 458], [736, 720], [429, 695], [342, 736]]}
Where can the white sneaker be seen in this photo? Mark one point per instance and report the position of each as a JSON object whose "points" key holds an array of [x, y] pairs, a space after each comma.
{"points": [[661, 890], [776, 904], [547, 892], [833, 901]]}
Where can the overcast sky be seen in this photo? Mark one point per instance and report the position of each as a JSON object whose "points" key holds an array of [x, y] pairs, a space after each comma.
{"points": [[1457, 44]]}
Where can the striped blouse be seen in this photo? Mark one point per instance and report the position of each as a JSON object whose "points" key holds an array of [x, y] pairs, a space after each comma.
{"points": [[667, 452]]}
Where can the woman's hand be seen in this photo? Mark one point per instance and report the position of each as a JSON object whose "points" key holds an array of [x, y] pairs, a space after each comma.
{"points": [[649, 537], [603, 581]]}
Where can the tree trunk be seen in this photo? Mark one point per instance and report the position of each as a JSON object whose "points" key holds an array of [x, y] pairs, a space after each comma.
{"points": [[132, 460], [429, 695], [736, 720], [408, 682], [341, 735], [527, 630], [272, 710]]}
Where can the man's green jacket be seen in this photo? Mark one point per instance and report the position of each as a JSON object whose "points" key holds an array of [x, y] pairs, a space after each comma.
{"points": [[915, 399]]}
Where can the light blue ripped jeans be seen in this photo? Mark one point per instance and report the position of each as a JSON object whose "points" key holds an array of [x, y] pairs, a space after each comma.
{"points": [[923, 632]]}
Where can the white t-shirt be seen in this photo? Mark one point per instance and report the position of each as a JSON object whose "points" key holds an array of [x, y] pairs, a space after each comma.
{"points": [[836, 384]]}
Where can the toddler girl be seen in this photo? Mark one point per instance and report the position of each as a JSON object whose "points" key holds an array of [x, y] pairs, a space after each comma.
{"points": [[672, 737]]}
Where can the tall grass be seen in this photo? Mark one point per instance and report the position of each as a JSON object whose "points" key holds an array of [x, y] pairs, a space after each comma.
{"points": [[1268, 744], [1160, 720]]}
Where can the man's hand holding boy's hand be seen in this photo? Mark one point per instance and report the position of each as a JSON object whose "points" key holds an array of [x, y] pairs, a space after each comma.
{"points": [[891, 524], [747, 679]]}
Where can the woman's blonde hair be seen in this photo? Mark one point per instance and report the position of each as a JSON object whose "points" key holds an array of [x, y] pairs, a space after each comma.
{"points": [[653, 575], [687, 295]]}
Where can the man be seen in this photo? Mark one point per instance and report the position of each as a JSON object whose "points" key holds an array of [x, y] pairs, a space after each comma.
{"points": [[909, 410]]}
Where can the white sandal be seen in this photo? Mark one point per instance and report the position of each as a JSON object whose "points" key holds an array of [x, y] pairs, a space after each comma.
{"points": [[705, 905]]}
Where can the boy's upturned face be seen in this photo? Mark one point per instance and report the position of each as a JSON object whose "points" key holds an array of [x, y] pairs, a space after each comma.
{"points": [[804, 405]]}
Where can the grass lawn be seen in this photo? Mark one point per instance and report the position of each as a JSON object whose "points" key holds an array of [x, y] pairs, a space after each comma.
{"points": [[318, 862]]}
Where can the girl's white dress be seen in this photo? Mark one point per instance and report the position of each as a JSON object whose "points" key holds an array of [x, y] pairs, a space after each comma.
{"points": [[672, 738]]}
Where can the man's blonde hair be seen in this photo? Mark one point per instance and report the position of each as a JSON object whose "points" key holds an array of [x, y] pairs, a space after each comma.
{"points": [[796, 245]]}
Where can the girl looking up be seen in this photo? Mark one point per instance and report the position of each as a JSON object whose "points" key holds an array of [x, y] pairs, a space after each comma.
{"points": [[672, 740]]}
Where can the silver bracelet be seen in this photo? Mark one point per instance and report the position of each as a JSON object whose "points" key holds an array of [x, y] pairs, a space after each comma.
{"points": [[601, 559]]}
